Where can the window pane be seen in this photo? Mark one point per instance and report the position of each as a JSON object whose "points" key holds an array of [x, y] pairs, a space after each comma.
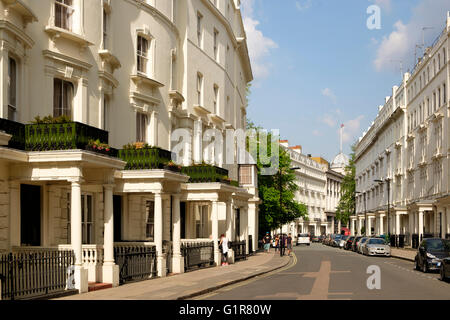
{"points": [[150, 213]]}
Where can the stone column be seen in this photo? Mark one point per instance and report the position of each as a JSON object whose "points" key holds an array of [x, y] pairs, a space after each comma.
{"points": [[14, 214], [4, 62], [397, 223], [420, 224], [228, 219], [177, 258], [369, 226], [80, 274], [110, 269], [339, 227], [161, 259], [381, 224], [215, 231], [332, 225], [447, 227]]}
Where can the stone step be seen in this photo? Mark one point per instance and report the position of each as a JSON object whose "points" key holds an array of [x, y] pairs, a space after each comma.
{"points": [[93, 286]]}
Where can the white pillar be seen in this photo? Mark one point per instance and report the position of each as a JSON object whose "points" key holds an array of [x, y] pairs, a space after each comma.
{"points": [[381, 224], [177, 258], [332, 225], [397, 223], [420, 225], [369, 226], [339, 227], [228, 219], [215, 232], [80, 274], [110, 269], [447, 228], [14, 214], [161, 260]]}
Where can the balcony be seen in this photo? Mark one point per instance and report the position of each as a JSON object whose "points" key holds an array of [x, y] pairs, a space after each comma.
{"points": [[65, 136], [17, 130], [145, 158], [207, 173]]}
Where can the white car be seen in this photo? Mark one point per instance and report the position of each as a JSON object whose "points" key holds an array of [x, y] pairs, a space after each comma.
{"points": [[303, 238]]}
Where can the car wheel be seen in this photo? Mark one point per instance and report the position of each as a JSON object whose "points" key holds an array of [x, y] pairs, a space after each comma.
{"points": [[424, 267], [442, 274]]}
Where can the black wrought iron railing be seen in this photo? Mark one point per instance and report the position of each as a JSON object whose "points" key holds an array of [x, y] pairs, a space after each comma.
{"points": [[239, 249], [206, 173], [145, 158], [17, 130], [197, 255], [35, 274], [135, 262]]}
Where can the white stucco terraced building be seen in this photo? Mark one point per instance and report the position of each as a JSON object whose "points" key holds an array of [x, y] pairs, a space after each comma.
{"points": [[406, 147], [132, 70], [319, 190]]}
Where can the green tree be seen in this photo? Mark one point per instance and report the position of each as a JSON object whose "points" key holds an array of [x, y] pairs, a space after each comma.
{"points": [[346, 206], [274, 213]]}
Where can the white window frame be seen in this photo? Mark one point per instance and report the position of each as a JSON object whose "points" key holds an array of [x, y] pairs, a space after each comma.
{"points": [[67, 14], [143, 59], [150, 220], [200, 84], [142, 123], [199, 30], [216, 45], [216, 99], [64, 110], [12, 105]]}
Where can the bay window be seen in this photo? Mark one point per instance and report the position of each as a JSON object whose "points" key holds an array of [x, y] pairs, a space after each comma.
{"points": [[12, 89], [64, 11]]}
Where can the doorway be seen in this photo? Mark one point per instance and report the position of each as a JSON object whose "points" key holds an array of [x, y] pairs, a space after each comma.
{"points": [[30, 215], [183, 220], [117, 211]]}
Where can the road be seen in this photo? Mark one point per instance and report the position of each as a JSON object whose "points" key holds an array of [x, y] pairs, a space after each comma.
{"points": [[319, 272]]}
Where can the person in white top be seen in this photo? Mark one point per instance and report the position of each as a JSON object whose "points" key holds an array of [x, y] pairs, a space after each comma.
{"points": [[224, 245]]}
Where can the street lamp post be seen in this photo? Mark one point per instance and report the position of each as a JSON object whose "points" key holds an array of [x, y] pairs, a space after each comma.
{"points": [[280, 185]]}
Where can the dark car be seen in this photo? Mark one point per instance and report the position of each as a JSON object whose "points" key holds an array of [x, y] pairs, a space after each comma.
{"points": [[430, 254], [348, 243], [336, 240], [445, 269], [355, 243], [314, 239]]}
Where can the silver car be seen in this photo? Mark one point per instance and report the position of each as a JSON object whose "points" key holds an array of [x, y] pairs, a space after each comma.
{"points": [[360, 244], [376, 247]]}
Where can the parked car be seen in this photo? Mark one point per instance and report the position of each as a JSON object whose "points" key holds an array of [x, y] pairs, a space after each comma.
{"points": [[430, 254], [343, 241], [314, 239], [348, 243], [376, 247], [361, 243], [355, 243], [303, 238], [445, 269], [336, 240], [321, 238]]}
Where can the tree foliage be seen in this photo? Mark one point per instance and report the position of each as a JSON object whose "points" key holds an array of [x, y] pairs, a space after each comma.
{"points": [[347, 206], [274, 213]]}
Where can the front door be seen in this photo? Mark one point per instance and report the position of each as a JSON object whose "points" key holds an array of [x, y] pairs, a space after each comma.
{"points": [[117, 205], [183, 220], [30, 215]]}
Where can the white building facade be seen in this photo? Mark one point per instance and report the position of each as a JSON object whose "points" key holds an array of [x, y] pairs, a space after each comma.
{"points": [[129, 71], [402, 160]]}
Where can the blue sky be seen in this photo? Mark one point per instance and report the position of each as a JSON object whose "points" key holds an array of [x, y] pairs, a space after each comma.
{"points": [[317, 65]]}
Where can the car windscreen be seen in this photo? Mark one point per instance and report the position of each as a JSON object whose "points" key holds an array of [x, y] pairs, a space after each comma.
{"points": [[363, 240], [376, 241], [303, 235], [435, 245]]}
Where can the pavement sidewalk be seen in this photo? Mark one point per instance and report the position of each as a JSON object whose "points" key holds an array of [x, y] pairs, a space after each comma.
{"points": [[190, 284], [405, 254]]}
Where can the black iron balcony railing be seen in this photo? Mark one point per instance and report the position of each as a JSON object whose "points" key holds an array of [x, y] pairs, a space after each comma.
{"points": [[145, 158], [61, 136], [17, 130], [206, 173]]}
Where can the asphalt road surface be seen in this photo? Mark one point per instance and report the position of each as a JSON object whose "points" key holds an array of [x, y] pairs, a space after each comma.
{"points": [[319, 272]]}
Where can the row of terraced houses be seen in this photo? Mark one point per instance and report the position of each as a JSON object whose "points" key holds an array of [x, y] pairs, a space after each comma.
{"points": [[402, 160], [93, 189]]}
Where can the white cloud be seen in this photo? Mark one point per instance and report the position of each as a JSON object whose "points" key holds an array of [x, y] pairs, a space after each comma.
{"points": [[259, 46], [317, 133], [400, 44], [327, 92], [303, 4], [352, 129], [329, 120]]}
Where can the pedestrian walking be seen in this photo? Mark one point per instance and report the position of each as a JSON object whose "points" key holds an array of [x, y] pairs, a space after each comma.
{"points": [[224, 245], [277, 242], [267, 240], [282, 244], [289, 244]]}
